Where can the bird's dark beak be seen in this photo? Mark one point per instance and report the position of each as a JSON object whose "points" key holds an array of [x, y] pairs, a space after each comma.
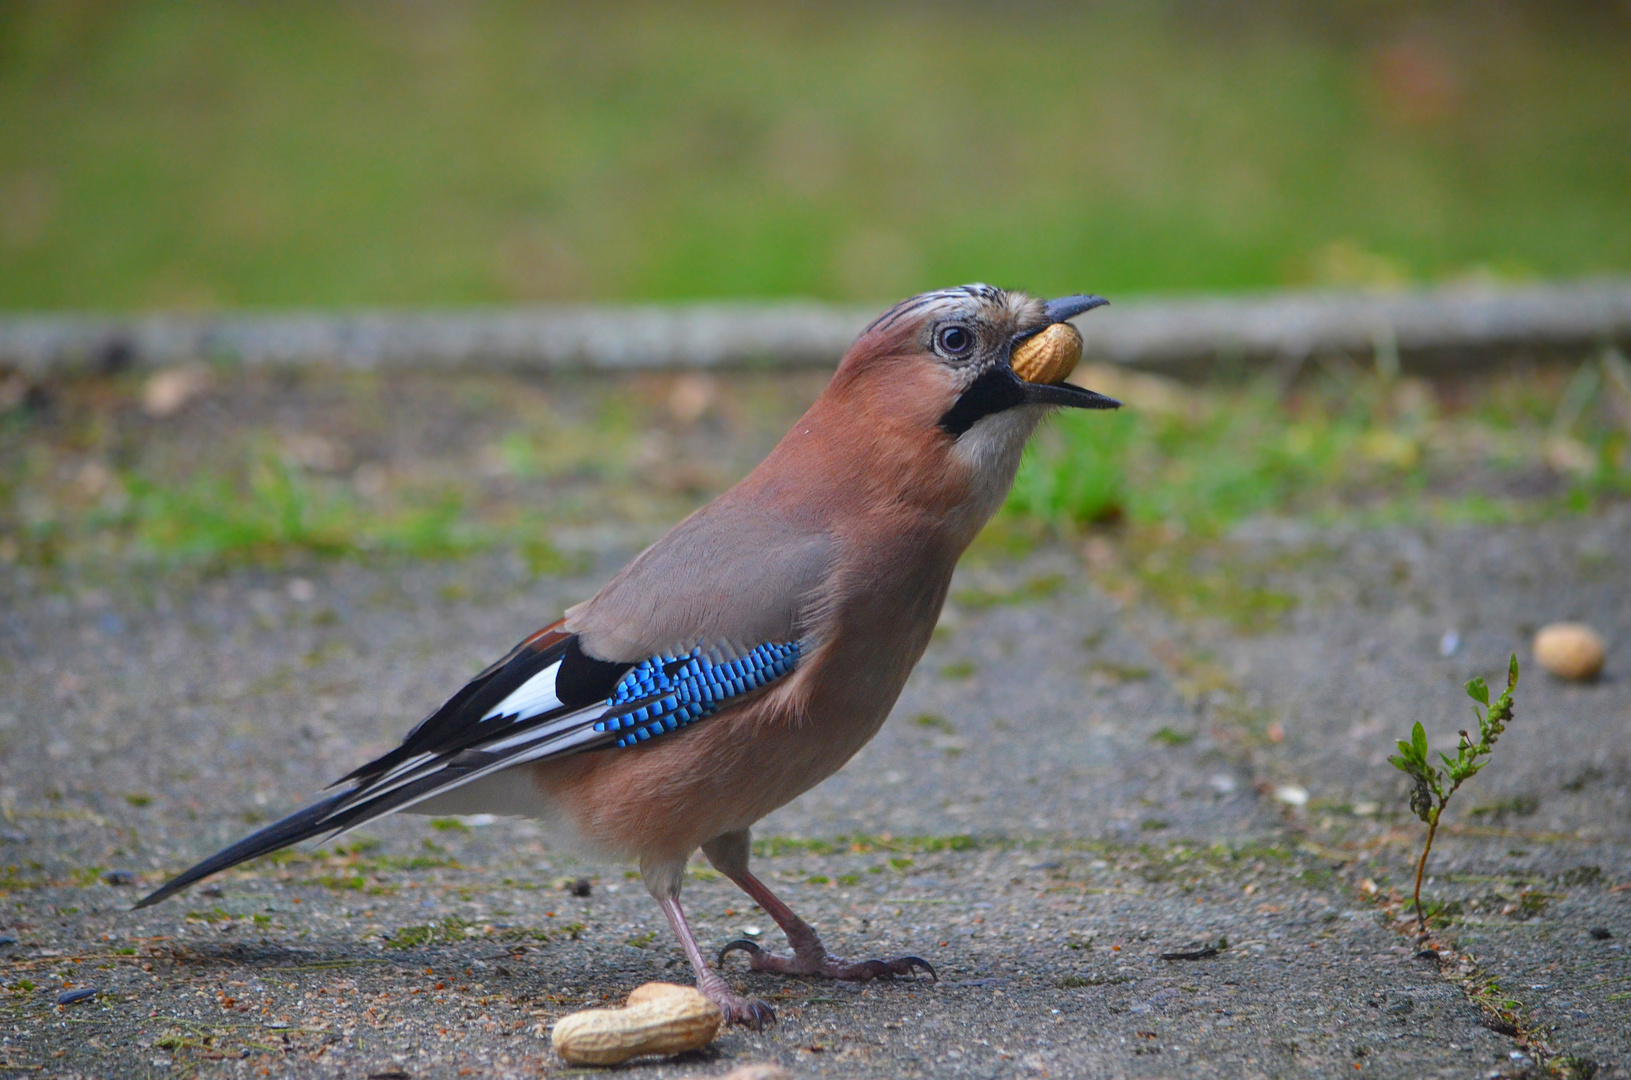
{"points": [[1064, 394], [1071, 397], [1068, 307]]}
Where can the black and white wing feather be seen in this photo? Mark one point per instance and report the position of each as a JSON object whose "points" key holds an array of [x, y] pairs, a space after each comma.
{"points": [[547, 698], [541, 700]]}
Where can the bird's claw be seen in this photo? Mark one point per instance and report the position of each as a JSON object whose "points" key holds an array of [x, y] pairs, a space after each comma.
{"points": [[743, 1010], [743, 944], [757, 1013], [827, 965], [737, 1009], [900, 965]]}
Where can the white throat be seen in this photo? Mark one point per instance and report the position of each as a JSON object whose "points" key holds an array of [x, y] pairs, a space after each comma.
{"points": [[992, 449]]}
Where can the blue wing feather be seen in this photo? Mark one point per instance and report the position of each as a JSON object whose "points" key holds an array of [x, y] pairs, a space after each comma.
{"points": [[667, 692]]}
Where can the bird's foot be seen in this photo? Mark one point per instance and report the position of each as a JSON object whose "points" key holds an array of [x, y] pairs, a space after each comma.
{"points": [[737, 1009], [825, 964]]}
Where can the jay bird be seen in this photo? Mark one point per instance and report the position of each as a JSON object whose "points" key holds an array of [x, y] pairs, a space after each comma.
{"points": [[748, 654]]}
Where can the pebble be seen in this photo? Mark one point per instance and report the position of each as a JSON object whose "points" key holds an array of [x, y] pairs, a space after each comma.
{"points": [[1292, 794], [168, 391], [1570, 650], [763, 1070]]}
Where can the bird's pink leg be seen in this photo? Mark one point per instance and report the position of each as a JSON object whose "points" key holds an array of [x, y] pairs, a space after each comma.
{"points": [[737, 1009], [810, 956], [663, 878]]}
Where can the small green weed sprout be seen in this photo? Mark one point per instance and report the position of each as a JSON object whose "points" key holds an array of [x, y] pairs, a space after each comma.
{"points": [[1434, 786]]}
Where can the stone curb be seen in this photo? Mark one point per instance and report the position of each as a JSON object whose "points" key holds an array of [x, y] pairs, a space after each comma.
{"points": [[1430, 330]]}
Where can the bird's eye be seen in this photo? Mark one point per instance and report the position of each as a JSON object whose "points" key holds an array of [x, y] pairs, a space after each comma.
{"points": [[955, 341]]}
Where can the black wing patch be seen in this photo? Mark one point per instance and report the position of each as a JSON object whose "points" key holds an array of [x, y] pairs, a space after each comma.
{"points": [[464, 720]]}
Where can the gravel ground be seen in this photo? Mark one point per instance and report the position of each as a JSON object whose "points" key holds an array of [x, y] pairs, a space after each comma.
{"points": [[1074, 784]]}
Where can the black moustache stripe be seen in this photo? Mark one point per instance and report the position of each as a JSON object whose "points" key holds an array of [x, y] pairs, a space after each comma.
{"points": [[993, 392]]}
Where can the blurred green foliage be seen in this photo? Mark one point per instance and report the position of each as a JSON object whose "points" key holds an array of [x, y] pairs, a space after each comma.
{"points": [[182, 154], [274, 511], [1347, 443], [249, 506], [1183, 470], [87, 478]]}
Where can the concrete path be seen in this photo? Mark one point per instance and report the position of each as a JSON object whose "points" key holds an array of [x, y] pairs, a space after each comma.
{"points": [[1070, 788]]}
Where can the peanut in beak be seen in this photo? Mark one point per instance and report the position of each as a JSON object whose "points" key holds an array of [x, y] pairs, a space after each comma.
{"points": [[1050, 355]]}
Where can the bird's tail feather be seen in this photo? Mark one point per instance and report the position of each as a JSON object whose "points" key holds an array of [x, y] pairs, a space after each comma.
{"points": [[298, 826], [406, 786]]}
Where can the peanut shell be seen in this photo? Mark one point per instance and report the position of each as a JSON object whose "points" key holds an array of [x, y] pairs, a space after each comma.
{"points": [[1569, 650], [1049, 356], [660, 1018]]}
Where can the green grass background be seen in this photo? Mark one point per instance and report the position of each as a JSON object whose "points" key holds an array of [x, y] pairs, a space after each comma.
{"points": [[279, 154]]}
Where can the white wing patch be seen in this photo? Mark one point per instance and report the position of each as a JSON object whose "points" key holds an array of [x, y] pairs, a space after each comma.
{"points": [[535, 696]]}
